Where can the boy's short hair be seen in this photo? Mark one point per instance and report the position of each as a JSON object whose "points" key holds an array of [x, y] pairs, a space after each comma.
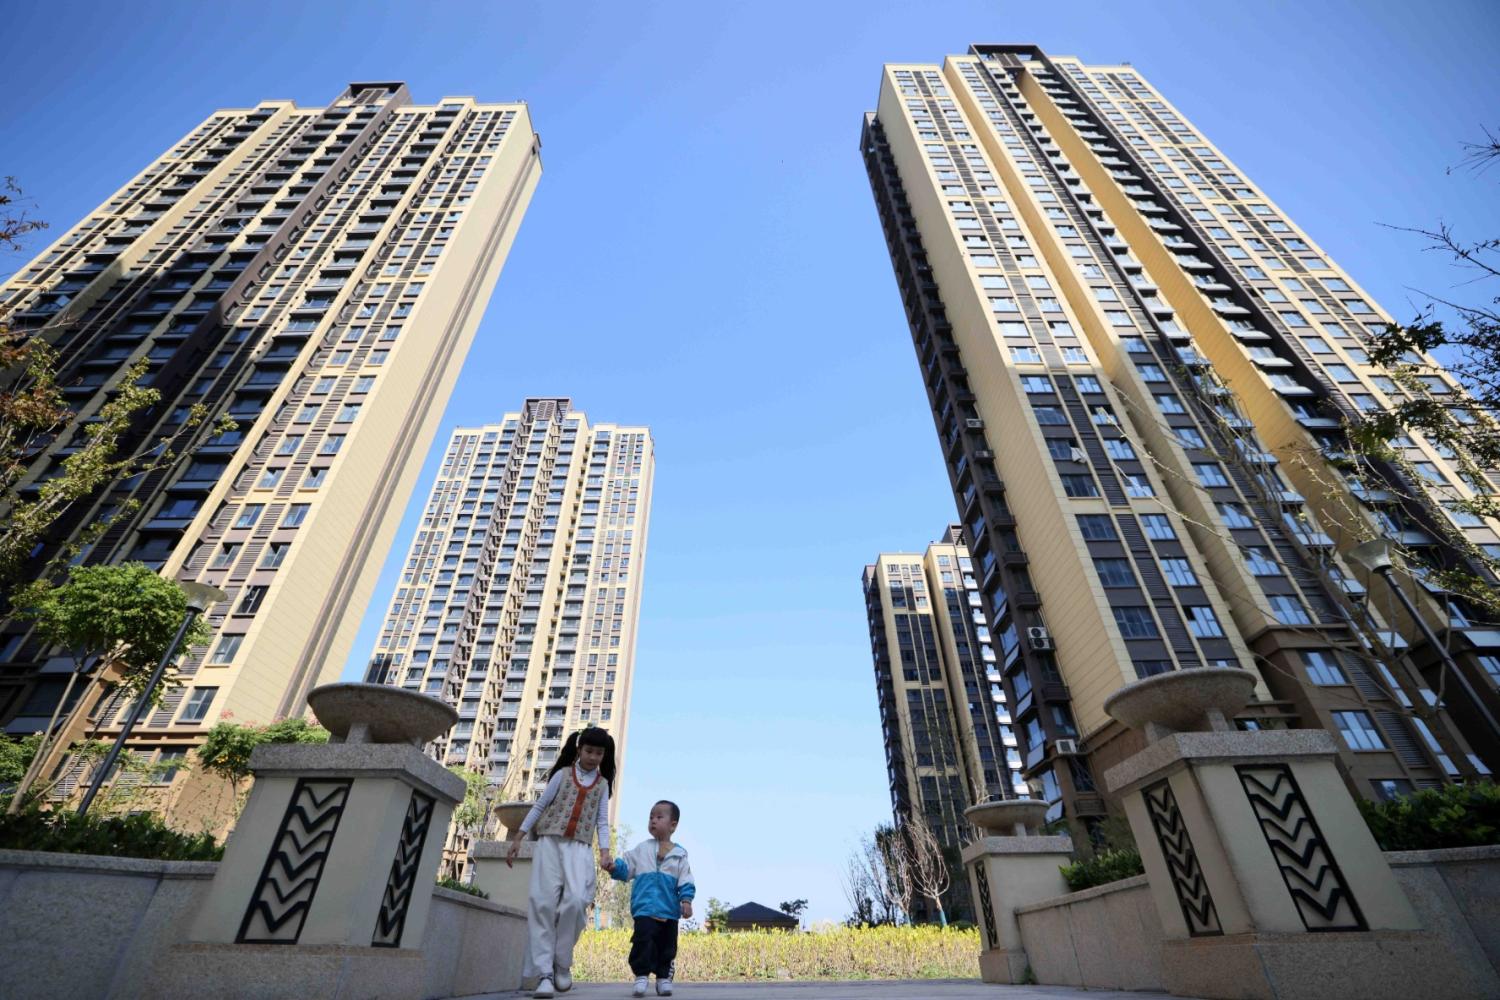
{"points": [[676, 813]]}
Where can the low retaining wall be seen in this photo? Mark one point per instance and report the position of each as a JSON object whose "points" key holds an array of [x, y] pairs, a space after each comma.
{"points": [[1107, 937], [74, 925], [1110, 937]]}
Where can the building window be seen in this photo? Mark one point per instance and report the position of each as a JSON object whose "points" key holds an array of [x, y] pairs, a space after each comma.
{"points": [[249, 514], [1097, 527], [295, 515], [1115, 572], [1079, 485], [1288, 610], [1358, 730], [1322, 668], [1158, 526], [1209, 474], [229, 645], [1179, 572], [1135, 622], [1203, 623], [196, 709]]}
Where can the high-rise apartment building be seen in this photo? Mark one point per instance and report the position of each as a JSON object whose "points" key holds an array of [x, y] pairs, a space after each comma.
{"points": [[1139, 369], [947, 730], [519, 597], [318, 275]]}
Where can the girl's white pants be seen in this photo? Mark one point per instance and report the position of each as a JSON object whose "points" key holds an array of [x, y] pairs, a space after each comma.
{"points": [[562, 887]]}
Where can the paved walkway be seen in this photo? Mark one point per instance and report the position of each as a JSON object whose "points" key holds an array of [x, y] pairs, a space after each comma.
{"points": [[923, 989]]}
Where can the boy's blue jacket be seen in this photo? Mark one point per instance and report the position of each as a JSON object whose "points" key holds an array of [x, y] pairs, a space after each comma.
{"points": [[660, 886]]}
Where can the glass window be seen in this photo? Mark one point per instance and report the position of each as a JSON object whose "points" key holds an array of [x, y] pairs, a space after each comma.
{"points": [[1079, 485], [1179, 572], [1358, 730], [249, 514], [295, 515], [1321, 667], [1288, 610], [1096, 527], [227, 647], [196, 708], [1158, 526], [1115, 572], [1135, 622], [1203, 623]]}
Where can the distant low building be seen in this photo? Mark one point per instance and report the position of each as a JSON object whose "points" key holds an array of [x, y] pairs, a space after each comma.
{"points": [[750, 916]]}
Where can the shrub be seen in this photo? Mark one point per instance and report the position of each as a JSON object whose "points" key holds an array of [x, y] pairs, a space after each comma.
{"points": [[1104, 867], [457, 886], [1450, 816], [142, 835]]}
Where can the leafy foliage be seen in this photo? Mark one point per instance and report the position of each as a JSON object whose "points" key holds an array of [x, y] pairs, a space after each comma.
{"points": [[15, 756], [1433, 818], [142, 835], [718, 915], [227, 748], [794, 908], [1105, 866], [126, 613], [457, 886]]}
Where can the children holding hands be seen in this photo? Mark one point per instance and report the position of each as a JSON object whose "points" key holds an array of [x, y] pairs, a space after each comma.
{"points": [[663, 893]]}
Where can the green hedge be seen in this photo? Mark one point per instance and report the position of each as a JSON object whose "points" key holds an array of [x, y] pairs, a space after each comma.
{"points": [[1103, 868], [1450, 816], [457, 886], [142, 835]]}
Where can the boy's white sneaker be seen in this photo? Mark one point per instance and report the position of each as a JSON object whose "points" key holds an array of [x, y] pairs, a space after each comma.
{"points": [[543, 988], [641, 982], [664, 987]]}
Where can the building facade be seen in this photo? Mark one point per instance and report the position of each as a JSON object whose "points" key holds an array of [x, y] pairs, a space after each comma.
{"points": [[317, 274], [943, 716], [520, 594], [1139, 370]]}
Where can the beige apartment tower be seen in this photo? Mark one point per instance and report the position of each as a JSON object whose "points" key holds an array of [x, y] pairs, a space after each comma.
{"points": [[943, 716], [317, 274], [519, 597], [1139, 369]]}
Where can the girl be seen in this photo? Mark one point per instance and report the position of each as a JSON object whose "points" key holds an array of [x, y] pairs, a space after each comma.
{"points": [[572, 812]]}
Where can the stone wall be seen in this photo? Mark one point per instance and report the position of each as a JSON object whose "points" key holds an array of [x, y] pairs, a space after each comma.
{"points": [[85, 926], [1110, 937], [1107, 937]]}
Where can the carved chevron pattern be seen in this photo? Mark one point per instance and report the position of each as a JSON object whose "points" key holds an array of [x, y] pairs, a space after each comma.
{"points": [[986, 909], [278, 907], [1312, 877], [404, 870], [1182, 862]]}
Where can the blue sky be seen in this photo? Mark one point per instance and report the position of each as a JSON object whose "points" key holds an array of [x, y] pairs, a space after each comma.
{"points": [[703, 256]]}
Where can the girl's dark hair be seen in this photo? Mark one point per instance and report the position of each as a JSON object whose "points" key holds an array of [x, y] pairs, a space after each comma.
{"points": [[592, 736]]}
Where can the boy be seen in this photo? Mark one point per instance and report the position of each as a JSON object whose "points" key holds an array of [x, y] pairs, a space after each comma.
{"points": [[662, 893]]}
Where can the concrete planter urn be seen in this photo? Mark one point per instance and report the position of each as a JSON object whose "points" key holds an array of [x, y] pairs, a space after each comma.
{"points": [[511, 814], [377, 713], [1008, 817], [1196, 700]]}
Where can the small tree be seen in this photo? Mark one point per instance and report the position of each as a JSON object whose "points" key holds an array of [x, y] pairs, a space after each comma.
{"points": [[612, 899], [889, 859], [469, 815], [718, 915], [930, 874], [119, 618], [794, 908]]}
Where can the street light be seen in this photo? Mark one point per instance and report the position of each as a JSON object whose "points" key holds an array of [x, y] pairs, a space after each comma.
{"points": [[1375, 556], [200, 597]]}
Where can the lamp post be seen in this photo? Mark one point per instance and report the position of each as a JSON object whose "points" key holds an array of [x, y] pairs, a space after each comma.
{"points": [[1375, 556], [200, 597]]}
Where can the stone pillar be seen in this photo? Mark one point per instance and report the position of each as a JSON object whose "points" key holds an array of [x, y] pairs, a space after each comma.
{"points": [[1266, 878], [1013, 865], [339, 844], [508, 885]]}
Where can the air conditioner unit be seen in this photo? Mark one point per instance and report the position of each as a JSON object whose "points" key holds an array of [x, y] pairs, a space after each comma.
{"points": [[1065, 748], [1039, 637], [974, 423]]}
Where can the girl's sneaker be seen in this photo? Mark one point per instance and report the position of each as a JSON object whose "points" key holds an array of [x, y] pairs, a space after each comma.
{"points": [[641, 982], [664, 987]]}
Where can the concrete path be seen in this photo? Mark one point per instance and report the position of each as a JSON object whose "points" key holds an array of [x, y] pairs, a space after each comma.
{"points": [[923, 989]]}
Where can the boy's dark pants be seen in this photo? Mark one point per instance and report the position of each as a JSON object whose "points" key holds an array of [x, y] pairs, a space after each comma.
{"points": [[653, 947]]}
